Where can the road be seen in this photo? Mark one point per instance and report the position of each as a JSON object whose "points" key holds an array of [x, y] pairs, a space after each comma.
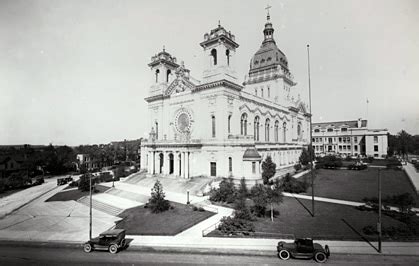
{"points": [[15, 253]]}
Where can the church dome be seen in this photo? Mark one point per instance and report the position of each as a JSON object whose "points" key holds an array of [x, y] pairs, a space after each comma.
{"points": [[268, 55]]}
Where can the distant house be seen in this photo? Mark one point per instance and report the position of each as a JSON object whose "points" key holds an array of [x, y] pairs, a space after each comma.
{"points": [[9, 164], [89, 162]]}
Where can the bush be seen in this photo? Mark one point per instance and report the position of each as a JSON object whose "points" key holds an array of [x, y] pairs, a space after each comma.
{"points": [[297, 167], [84, 182], [234, 226], [242, 211], [157, 203], [259, 194], [225, 193], [2, 185], [357, 166], [370, 159], [330, 162], [394, 164], [293, 185], [74, 184], [243, 192]]}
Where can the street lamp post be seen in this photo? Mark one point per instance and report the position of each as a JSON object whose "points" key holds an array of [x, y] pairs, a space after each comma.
{"points": [[311, 151], [90, 209], [113, 180], [187, 197], [379, 211]]}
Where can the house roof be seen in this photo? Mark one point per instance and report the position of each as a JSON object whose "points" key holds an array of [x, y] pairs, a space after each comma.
{"points": [[340, 124], [251, 154]]}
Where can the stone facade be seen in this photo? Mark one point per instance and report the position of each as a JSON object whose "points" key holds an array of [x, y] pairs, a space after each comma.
{"points": [[349, 138], [218, 127]]}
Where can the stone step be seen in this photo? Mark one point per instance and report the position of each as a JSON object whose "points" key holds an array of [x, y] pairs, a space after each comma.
{"points": [[129, 195], [101, 206]]}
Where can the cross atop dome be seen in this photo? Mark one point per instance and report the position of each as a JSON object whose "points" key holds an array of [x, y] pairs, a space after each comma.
{"points": [[267, 10]]}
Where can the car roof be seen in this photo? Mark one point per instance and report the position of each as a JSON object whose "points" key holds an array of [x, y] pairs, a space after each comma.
{"points": [[113, 232]]}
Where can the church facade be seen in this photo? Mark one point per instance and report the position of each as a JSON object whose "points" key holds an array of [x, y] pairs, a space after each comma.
{"points": [[219, 126]]}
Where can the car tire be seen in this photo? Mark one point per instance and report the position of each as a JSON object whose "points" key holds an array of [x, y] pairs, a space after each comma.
{"points": [[113, 248], [87, 248], [320, 257], [284, 254]]}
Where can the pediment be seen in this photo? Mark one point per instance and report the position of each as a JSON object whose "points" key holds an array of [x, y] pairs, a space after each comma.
{"points": [[180, 84]]}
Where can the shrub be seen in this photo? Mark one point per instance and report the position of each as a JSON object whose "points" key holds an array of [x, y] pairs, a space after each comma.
{"points": [[329, 161], [201, 209], [157, 203], [297, 167], [243, 192], [357, 167], [84, 182], [293, 185], [74, 184], [234, 226], [2, 185], [225, 193], [268, 169], [242, 211], [370, 159]]}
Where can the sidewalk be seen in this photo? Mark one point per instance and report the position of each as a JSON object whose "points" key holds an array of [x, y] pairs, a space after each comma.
{"points": [[413, 175]]}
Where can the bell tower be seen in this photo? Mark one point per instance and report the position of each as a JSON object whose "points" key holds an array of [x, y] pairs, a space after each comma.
{"points": [[219, 55], [163, 66]]}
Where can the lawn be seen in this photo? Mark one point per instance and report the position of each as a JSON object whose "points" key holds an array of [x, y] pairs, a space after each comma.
{"points": [[75, 194], [141, 221], [355, 185], [331, 221]]}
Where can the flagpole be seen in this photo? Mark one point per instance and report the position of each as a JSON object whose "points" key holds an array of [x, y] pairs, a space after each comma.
{"points": [[311, 133]]}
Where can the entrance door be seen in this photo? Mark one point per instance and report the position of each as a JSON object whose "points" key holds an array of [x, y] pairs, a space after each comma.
{"points": [[213, 166], [171, 164]]}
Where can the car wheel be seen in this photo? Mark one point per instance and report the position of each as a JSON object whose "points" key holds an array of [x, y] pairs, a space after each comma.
{"points": [[284, 254], [87, 248], [113, 249], [320, 257]]}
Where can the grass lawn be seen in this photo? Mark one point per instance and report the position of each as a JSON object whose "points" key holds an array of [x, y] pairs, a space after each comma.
{"points": [[355, 185], [331, 221], [75, 194], [141, 221]]}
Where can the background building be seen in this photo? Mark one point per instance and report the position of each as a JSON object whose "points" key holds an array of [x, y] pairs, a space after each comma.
{"points": [[220, 126], [349, 138]]}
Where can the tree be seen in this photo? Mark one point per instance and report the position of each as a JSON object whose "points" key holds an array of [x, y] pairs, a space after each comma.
{"points": [[405, 143], [225, 193], [157, 203], [84, 182], [241, 210], [305, 156], [268, 169], [274, 195], [243, 192], [259, 196]]}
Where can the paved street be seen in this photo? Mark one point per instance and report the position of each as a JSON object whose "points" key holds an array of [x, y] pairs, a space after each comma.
{"points": [[15, 253]]}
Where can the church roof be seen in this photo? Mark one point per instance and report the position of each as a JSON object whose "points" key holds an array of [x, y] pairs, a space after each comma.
{"points": [[338, 124], [251, 154], [269, 55]]}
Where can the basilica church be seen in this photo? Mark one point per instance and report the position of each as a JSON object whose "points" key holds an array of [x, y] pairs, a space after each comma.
{"points": [[221, 126]]}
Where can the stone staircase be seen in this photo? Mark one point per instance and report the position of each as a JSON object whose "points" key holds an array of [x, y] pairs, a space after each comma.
{"points": [[135, 178], [100, 206], [128, 195]]}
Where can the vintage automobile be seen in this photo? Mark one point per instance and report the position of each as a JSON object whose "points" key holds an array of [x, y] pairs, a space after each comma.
{"points": [[303, 248], [112, 240]]}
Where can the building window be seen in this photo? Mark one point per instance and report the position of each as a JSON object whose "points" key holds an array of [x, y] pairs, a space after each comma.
{"points": [[317, 130], [267, 125], [228, 57], [256, 125], [330, 130], [356, 139], [375, 139], [243, 124], [157, 130], [213, 168], [344, 129], [375, 147], [299, 131], [269, 92], [168, 74], [228, 125], [230, 164], [214, 57], [375, 155], [254, 167], [261, 92], [356, 147], [284, 130], [157, 75], [330, 140], [276, 131], [340, 140], [213, 126]]}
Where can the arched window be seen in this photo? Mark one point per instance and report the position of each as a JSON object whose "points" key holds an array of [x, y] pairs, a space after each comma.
{"points": [[256, 92], [213, 125], [168, 74], [317, 130], [299, 130], [256, 124], [230, 164], [214, 56], [157, 75], [261, 92], [267, 125], [228, 57], [284, 130], [330, 130], [243, 124], [269, 92], [276, 131], [229, 124], [157, 130]]}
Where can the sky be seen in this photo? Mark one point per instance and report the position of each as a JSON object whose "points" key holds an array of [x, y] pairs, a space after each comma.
{"points": [[75, 72]]}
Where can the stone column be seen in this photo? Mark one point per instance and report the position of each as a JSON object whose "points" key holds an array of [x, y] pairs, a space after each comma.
{"points": [[156, 163], [176, 164], [182, 165], [166, 163], [187, 165]]}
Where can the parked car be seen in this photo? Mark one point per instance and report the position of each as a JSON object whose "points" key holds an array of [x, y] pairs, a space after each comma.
{"points": [[111, 240], [303, 248]]}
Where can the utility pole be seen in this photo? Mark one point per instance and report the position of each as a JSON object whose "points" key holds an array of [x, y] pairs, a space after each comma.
{"points": [[379, 211], [311, 133], [90, 209]]}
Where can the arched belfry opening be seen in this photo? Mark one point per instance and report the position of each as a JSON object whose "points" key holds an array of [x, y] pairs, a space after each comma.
{"points": [[171, 164], [157, 75], [214, 56], [228, 56], [168, 75]]}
